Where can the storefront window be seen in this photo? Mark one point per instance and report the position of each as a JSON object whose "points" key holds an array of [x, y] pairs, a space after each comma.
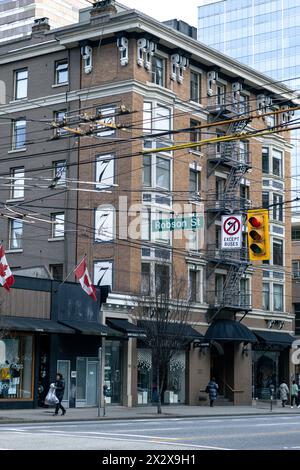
{"points": [[265, 373], [16, 367], [113, 371], [177, 377], [144, 382]]}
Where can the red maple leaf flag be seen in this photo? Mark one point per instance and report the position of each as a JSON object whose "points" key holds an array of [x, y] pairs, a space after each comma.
{"points": [[6, 278], [82, 274]]}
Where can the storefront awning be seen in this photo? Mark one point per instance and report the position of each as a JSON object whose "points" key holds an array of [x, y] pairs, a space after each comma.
{"points": [[33, 324], [172, 329], [229, 330], [124, 326], [274, 337], [90, 328]]}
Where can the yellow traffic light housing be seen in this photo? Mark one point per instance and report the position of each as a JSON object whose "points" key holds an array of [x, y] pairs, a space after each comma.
{"points": [[258, 234]]}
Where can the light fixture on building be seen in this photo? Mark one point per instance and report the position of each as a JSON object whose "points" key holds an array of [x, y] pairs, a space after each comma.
{"points": [[245, 350]]}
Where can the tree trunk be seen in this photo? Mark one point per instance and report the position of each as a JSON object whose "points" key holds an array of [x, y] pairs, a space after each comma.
{"points": [[158, 390]]}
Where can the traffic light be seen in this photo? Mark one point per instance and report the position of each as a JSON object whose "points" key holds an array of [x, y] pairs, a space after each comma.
{"points": [[258, 234]]}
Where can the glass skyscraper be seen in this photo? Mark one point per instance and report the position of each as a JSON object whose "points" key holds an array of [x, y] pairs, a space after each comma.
{"points": [[264, 34]]}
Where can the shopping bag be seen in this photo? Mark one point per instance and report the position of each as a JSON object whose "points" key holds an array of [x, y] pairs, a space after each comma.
{"points": [[51, 398]]}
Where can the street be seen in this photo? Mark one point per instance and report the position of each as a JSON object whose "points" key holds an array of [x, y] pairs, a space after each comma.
{"points": [[231, 433]]}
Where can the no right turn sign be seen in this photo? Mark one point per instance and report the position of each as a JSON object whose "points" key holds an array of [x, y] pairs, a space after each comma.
{"points": [[231, 232]]}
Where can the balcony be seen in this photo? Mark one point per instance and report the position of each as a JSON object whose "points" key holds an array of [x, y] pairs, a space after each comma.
{"points": [[216, 255], [227, 204], [227, 155], [226, 105]]}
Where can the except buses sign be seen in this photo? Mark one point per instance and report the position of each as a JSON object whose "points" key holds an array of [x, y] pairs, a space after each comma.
{"points": [[179, 223], [231, 232]]}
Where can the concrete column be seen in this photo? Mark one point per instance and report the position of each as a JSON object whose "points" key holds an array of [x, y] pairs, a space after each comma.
{"points": [[242, 374], [198, 375]]}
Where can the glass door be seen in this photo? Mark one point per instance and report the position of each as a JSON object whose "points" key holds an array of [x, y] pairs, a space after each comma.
{"points": [[113, 371], [92, 383], [63, 367]]}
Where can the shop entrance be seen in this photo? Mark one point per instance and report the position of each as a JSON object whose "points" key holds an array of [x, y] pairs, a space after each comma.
{"points": [[86, 381], [222, 368]]}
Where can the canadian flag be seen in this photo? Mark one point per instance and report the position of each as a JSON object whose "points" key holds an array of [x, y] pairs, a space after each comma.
{"points": [[82, 274], [6, 278]]}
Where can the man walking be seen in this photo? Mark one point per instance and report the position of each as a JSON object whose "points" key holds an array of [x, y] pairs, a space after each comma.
{"points": [[59, 391], [294, 394], [212, 390]]}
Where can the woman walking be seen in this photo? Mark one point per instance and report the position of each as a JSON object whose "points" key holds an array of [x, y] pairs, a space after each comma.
{"points": [[283, 393], [59, 392], [212, 390]]}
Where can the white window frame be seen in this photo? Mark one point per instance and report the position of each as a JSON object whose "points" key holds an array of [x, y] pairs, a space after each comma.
{"points": [[108, 110], [18, 181], [199, 80], [105, 224], [60, 172], [152, 117], [164, 67], [103, 269], [296, 272], [199, 282], [17, 82], [59, 131], [105, 168], [16, 124], [58, 219], [58, 64], [12, 237]]}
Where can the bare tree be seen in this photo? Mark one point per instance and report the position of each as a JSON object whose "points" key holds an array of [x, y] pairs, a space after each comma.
{"points": [[164, 315]]}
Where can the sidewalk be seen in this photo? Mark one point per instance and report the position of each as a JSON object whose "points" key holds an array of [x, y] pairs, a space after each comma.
{"points": [[122, 413]]}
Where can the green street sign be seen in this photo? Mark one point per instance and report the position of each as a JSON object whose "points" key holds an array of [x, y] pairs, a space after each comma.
{"points": [[180, 223]]}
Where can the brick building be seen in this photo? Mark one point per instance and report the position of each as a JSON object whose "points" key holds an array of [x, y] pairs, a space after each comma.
{"points": [[146, 80]]}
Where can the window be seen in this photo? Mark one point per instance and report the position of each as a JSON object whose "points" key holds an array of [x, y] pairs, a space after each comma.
{"points": [[15, 234], [195, 285], [220, 188], [195, 134], [265, 200], [219, 287], [21, 84], [145, 279], [145, 224], [58, 225], [105, 224], [163, 173], [59, 118], [277, 163], [16, 370], [221, 94], [108, 118], [195, 87], [278, 252], [162, 279], [57, 271], [218, 237], [296, 269], [296, 233], [194, 181], [60, 172], [103, 275], [147, 169], [105, 172], [158, 71], [244, 292], [266, 296], [244, 103], [297, 319], [19, 134], [244, 195], [17, 183], [278, 208], [156, 118], [278, 297], [244, 151], [265, 160], [61, 72]]}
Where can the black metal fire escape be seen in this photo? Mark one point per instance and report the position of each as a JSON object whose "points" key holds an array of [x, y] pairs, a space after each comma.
{"points": [[235, 163]]}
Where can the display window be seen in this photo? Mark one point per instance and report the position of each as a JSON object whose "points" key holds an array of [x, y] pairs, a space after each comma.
{"points": [[16, 365]]}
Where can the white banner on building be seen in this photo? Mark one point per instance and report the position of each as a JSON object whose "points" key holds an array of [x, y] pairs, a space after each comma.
{"points": [[231, 232]]}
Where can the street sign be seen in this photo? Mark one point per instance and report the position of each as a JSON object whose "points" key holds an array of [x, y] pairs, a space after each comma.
{"points": [[231, 232], [179, 223]]}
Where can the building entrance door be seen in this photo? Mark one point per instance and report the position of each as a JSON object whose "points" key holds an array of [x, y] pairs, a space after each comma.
{"points": [[222, 368], [92, 383]]}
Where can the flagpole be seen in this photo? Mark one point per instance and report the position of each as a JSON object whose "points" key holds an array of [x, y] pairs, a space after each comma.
{"points": [[71, 272]]}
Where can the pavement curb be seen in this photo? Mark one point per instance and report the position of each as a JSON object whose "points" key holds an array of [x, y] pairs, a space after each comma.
{"points": [[137, 418]]}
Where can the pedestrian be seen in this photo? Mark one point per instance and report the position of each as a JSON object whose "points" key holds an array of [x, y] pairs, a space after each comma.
{"points": [[283, 393], [212, 390], [59, 391], [294, 394]]}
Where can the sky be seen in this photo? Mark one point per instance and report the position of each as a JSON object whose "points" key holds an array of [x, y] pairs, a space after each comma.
{"points": [[167, 9]]}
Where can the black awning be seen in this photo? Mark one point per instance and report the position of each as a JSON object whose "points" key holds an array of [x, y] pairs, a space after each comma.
{"points": [[33, 324], [90, 328], [124, 326], [229, 330], [172, 329], [274, 337]]}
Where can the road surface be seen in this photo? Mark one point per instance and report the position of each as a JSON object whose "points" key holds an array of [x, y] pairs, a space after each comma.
{"points": [[236, 433]]}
